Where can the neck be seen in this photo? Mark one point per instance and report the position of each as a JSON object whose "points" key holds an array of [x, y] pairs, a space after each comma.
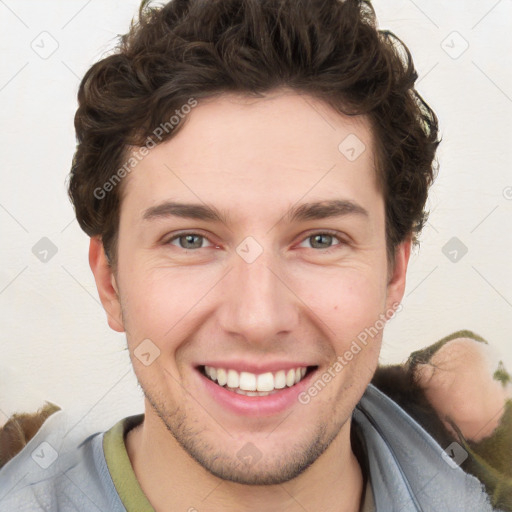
{"points": [[172, 480]]}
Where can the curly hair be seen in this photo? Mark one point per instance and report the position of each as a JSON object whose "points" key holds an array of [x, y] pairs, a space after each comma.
{"points": [[331, 50]]}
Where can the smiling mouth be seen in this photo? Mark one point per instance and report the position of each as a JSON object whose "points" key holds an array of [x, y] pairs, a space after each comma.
{"points": [[251, 384]]}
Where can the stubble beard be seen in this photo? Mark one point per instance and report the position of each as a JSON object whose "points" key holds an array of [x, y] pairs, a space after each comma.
{"points": [[223, 462]]}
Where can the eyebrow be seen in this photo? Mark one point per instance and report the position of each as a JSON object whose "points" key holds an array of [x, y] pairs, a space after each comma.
{"points": [[324, 210], [185, 210], [304, 212]]}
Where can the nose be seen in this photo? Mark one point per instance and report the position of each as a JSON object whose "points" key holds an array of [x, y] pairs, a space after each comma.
{"points": [[258, 303]]}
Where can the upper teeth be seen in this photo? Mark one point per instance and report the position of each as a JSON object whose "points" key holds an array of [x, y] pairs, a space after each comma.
{"points": [[251, 382]]}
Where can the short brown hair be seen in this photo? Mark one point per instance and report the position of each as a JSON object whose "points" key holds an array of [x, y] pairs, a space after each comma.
{"points": [[329, 49]]}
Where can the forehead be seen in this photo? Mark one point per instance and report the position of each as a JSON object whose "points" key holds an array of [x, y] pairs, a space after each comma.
{"points": [[254, 153]]}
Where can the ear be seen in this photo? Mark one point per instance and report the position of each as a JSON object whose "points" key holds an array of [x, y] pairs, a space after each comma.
{"points": [[396, 277], [106, 284]]}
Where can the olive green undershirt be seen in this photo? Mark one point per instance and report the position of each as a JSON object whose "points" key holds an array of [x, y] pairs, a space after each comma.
{"points": [[125, 481], [120, 467]]}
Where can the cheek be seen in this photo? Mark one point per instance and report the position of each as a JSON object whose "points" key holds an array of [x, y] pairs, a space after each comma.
{"points": [[153, 302], [166, 304], [160, 303], [348, 300]]}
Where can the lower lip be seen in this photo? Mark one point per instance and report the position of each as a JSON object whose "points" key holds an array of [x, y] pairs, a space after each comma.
{"points": [[256, 405]]}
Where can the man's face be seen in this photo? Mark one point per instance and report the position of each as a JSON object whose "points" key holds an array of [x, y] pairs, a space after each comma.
{"points": [[262, 291]]}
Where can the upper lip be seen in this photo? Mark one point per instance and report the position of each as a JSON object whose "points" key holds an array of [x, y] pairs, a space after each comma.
{"points": [[256, 368]]}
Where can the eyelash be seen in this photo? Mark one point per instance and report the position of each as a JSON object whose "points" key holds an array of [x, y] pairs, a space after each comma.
{"points": [[328, 250]]}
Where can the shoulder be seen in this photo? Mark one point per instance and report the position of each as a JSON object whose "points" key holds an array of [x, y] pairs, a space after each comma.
{"points": [[419, 474], [62, 467]]}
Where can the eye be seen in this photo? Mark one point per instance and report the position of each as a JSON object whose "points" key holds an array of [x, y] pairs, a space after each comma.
{"points": [[323, 240], [188, 240]]}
